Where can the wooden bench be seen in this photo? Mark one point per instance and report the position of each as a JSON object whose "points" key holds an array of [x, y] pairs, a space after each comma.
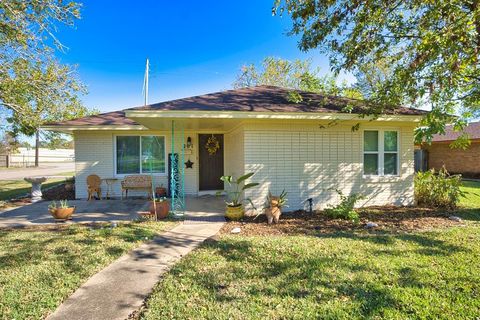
{"points": [[137, 182]]}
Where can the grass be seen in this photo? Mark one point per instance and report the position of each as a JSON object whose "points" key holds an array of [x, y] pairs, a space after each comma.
{"points": [[338, 276], [472, 199], [342, 275], [39, 269], [10, 189], [66, 174]]}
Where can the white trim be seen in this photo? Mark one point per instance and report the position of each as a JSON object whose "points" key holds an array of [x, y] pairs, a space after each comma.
{"points": [[381, 153], [155, 174], [264, 115], [181, 114], [92, 128]]}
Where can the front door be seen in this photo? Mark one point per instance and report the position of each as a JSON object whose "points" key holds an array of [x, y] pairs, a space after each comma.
{"points": [[210, 161]]}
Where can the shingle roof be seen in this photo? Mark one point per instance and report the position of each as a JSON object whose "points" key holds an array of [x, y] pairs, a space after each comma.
{"points": [[252, 99], [267, 99], [115, 118], [473, 131]]}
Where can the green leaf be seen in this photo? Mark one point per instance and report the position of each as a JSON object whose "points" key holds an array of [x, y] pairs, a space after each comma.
{"points": [[227, 179], [244, 177], [250, 185]]}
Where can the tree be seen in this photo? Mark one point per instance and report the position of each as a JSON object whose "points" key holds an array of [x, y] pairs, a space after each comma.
{"points": [[432, 49], [8, 144], [295, 74], [55, 140], [34, 86]]}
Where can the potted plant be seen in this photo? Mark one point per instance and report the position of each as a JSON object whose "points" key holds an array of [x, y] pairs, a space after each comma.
{"points": [[161, 191], [234, 201], [160, 207], [273, 207], [62, 211]]}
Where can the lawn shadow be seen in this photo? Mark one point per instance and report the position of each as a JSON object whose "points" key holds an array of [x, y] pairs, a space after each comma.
{"points": [[22, 248], [468, 214], [291, 278], [324, 278], [428, 244]]}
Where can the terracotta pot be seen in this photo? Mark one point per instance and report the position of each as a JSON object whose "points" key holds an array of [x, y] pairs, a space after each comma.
{"points": [[62, 213], [163, 208], [234, 213], [161, 191]]}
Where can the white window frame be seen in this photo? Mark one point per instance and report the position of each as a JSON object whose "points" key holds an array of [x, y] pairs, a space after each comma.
{"points": [[121, 175], [381, 152]]}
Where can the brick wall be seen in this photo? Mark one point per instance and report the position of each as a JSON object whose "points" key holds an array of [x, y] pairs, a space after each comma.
{"points": [[455, 160]]}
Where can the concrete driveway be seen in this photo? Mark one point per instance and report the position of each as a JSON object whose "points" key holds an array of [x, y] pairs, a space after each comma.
{"points": [[87, 211], [45, 170]]}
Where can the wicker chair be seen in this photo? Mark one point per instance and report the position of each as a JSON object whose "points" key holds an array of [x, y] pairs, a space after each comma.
{"points": [[93, 186]]}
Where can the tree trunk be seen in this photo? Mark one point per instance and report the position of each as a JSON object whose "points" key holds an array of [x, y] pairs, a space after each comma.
{"points": [[37, 146]]}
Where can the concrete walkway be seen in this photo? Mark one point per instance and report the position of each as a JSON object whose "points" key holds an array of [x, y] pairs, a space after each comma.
{"points": [[120, 289], [86, 212]]}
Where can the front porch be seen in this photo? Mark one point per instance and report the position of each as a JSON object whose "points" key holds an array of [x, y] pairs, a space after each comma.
{"points": [[198, 209]]}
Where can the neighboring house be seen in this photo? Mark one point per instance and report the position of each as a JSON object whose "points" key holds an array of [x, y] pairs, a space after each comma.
{"points": [[306, 148], [455, 160]]}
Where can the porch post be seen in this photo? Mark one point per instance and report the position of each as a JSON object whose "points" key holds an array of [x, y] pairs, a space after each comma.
{"points": [[182, 165]]}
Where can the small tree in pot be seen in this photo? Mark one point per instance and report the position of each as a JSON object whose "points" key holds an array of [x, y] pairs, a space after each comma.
{"points": [[274, 205], [235, 201], [62, 211]]}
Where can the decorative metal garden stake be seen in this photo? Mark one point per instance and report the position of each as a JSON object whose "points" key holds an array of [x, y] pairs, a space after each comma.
{"points": [[177, 174]]}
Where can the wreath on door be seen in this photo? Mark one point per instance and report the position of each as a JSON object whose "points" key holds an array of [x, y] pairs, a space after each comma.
{"points": [[212, 145]]}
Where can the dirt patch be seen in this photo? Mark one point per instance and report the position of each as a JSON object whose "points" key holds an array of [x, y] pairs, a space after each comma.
{"points": [[14, 203], [391, 219]]}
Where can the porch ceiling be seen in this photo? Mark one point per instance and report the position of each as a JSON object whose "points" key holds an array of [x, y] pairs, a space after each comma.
{"points": [[187, 124]]}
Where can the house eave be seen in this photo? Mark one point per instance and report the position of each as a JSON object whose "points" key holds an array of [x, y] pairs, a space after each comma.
{"points": [[264, 115], [69, 129]]}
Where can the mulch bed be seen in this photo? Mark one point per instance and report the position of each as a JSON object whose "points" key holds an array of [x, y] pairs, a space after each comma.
{"points": [[64, 191], [389, 219]]}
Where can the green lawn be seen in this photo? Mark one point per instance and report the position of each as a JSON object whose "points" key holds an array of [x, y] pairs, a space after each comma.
{"points": [[343, 275], [10, 189], [472, 199], [39, 269]]}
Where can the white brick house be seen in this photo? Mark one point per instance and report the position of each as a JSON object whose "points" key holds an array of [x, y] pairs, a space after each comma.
{"points": [[306, 148]]}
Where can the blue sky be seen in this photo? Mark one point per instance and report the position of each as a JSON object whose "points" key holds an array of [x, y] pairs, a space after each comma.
{"points": [[194, 47]]}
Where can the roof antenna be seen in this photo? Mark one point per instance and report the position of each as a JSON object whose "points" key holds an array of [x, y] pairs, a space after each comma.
{"points": [[145, 83]]}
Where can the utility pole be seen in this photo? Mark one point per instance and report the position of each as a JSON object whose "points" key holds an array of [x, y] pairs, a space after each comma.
{"points": [[37, 147], [145, 83]]}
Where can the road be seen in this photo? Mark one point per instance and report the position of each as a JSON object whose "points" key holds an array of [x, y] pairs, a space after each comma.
{"points": [[45, 170]]}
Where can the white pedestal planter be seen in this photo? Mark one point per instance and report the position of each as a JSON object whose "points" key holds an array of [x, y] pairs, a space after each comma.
{"points": [[36, 187]]}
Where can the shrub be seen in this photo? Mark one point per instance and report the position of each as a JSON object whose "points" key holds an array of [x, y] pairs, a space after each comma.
{"points": [[345, 209], [438, 189]]}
